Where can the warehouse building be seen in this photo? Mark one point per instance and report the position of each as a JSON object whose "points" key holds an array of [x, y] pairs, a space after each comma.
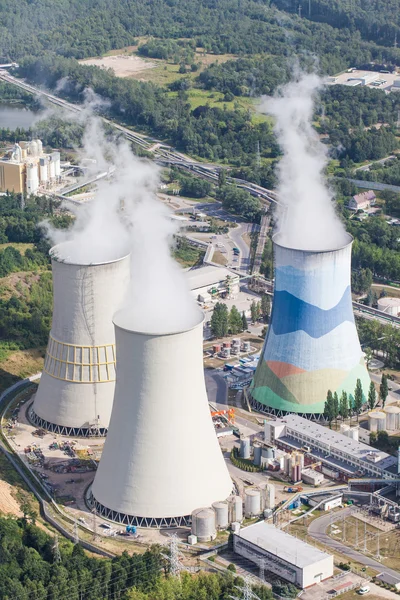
{"points": [[341, 456], [282, 554], [210, 282]]}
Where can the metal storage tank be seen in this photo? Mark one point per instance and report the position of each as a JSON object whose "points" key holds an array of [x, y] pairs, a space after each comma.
{"points": [[216, 348], [392, 418], [245, 447], [246, 346], [236, 342], [32, 178], [226, 344], [390, 306], [161, 459], [376, 421], [252, 502], [57, 163], [76, 389], [312, 343], [221, 514], [39, 147], [203, 524], [270, 495], [44, 169], [52, 168], [237, 509], [257, 454]]}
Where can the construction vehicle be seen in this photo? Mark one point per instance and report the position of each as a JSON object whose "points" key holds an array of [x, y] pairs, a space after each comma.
{"points": [[292, 489], [230, 412]]}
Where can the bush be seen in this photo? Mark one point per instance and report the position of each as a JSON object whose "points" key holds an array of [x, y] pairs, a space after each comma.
{"points": [[231, 567]]}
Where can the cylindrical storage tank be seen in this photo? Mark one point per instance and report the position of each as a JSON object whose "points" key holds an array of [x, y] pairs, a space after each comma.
{"points": [[245, 447], [52, 168], [226, 344], [288, 464], [57, 163], [237, 509], [236, 342], [267, 452], [32, 179], [160, 405], [312, 343], [203, 524], [221, 514], [33, 148], [44, 169], [235, 350], [216, 348], [270, 496], [39, 147], [353, 433], [226, 352], [257, 454], [252, 502], [376, 421], [76, 388], [390, 306], [246, 346], [392, 418]]}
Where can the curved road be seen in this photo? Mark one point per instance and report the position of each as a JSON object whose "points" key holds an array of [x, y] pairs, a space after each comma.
{"points": [[317, 530]]}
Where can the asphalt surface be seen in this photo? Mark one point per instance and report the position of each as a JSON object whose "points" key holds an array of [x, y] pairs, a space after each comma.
{"points": [[317, 530]]}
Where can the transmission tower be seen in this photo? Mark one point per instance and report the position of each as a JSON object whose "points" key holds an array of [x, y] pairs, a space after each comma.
{"points": [[262, 566], [173, 557], [300, 11], [76, 532], [246, 591], [258, 155], [56, 550]]}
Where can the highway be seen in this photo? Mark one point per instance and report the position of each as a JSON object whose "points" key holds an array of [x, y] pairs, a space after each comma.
{"points": [[317, 530]]}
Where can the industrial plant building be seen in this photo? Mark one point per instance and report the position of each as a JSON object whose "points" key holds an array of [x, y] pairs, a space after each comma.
{"points": [[28, 168], [161, 459], [282, 554], [341, 457], [312, 344], [210, 282], [76, 389]]}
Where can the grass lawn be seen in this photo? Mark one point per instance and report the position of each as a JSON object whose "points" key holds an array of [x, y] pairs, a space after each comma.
{"points": [[22, 248], [188, 257]]}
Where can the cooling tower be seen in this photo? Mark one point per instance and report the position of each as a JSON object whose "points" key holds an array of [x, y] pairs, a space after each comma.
{"points": [[76, 389], [161, 459], [312, 343]]}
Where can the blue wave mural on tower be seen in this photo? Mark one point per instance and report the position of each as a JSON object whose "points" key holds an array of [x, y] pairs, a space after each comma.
{"points": [[296, 315]]}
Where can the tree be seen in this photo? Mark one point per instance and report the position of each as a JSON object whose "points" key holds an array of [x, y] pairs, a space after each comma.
{"points": [[328, 408], [235, 321], [220, 320], [265, 307], [344, 406], [254, 312], [358, 398], [244, 321], [335, 407], [368, 356], [384, 389], [221, 178], [371, 396]]}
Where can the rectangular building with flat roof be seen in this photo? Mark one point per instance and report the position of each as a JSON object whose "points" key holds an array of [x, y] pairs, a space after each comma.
{"points": [[282, 554]]}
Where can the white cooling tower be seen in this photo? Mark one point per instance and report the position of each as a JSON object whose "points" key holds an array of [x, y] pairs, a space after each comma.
{"points": [[161, 459], [76, 389]]}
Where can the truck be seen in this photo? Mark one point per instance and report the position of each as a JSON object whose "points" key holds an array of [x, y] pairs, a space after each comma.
{"points": [[236, 251], [292, 489]]}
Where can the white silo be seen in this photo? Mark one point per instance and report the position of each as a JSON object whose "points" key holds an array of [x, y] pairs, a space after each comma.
{"points": [[56, 158], [161, 458], [270, 495], [252, 502], [237, 509], [44, 169], [203, 524], [32, 178], [221, 514], [76, 389], [52, 167], [39, 147], [392, 417], [376, 421]]}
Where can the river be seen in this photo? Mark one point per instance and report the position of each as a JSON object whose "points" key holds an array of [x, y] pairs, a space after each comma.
{"points": [[12, 117]]}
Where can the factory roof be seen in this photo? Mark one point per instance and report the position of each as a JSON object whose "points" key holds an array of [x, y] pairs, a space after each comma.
{"points": [[208, 276], [337, 441], [281, 544]]}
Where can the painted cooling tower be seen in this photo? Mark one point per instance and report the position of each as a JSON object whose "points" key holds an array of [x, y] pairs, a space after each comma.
{"points": [[76, 389], [312, 343], [161, 459]]}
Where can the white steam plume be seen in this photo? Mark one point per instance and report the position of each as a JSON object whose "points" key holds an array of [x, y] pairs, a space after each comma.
{"points": [[126, 217], [306, 218]]}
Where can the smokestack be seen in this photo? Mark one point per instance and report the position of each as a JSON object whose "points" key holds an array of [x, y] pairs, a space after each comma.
{"points": [[76, 389], [161, 459], [312, 342]]}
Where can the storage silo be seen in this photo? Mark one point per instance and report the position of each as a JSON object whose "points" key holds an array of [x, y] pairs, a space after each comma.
{"points": [[76, 389], [56, 158], [161, 458], [392, 417], [376, 421], [390, 306], [312, 343], [252, 502], [32, 178], [270, 495], [245, 447], [257, 454], [203, 524], [44, 169], [221, 514], [237, 509]]}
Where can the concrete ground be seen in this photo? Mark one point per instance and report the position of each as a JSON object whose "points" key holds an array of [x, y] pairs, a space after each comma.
{"points": [[320, 591]]}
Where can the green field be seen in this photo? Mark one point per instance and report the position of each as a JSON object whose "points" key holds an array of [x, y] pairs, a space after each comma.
{"points": [[22, 248]]}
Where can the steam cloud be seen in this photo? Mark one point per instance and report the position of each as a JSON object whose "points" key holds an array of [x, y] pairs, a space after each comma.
{"points": [[306, 217], [126, 217]]}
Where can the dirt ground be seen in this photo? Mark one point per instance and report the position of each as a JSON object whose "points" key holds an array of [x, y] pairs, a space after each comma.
{"points": [[8, 504], [122, 65]]}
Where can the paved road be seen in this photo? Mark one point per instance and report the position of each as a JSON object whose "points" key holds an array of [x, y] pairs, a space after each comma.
{"points": [[394, 394], [236, 236], [317, 530], [381, 161]]}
